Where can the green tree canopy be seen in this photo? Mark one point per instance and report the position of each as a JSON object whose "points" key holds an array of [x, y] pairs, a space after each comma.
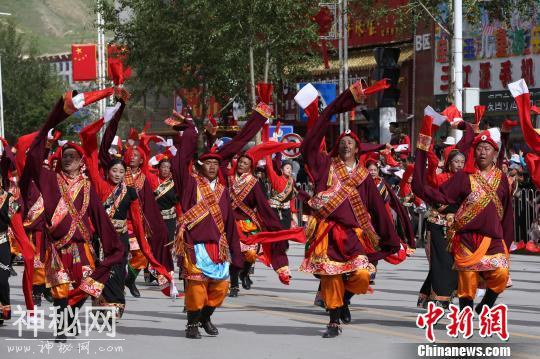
{"points": [[29, 86], [206, 44]]}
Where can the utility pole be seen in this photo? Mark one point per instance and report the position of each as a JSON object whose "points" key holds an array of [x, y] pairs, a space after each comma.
{"points": [[2, 90], [340, 51], [345, 56], [457, 64], [102, 70], [458, 54]]}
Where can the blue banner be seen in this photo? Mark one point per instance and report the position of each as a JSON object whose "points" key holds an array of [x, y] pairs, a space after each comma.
{"points": [[284, 130]]}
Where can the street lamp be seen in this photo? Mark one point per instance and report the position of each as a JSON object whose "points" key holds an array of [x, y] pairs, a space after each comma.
{"points": [[1, 90]]}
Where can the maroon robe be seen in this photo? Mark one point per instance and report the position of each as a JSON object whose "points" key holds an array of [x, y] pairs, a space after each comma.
{"points": [[256, 199], [454, 192], [319, 167], [152, 215], [206, 231], [95, 216]]}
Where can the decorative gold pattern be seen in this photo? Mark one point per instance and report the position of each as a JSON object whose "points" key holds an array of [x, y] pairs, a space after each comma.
{"points": [[357, 92], [91, 286], [424, 142], [263, 109]]}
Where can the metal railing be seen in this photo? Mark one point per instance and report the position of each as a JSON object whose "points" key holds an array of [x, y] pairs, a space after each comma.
{"points": [[526, 203]]}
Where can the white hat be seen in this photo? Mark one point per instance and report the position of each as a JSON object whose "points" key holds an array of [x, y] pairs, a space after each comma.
{"points": [[450, 141], [495, 134], [515, 158]]}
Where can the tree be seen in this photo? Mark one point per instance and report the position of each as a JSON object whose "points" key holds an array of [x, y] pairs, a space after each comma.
{"points": [[206, 44], [29, 86]]}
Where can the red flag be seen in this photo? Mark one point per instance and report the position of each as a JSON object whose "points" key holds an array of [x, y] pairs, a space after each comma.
{"points": [[479, 113], [451, 112], [116, 55], [265, 92], [83, 59]]}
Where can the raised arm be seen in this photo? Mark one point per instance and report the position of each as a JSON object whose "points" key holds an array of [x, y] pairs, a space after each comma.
{"points": [[258, 117], [370, 147], [108, 137], [89, 141], [468, 137], [43, 177], [449, 193], [310, 147], [278, 182], [181, 163]]}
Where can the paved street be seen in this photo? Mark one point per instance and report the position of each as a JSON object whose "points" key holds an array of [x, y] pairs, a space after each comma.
{"points": [[274, 321]]}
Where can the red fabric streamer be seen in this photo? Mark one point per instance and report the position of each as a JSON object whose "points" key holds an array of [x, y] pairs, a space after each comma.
{"points": [[293, 234]]}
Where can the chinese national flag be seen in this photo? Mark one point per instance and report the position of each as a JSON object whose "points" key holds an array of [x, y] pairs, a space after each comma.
{"points": [[83, 59], [116, 54]]}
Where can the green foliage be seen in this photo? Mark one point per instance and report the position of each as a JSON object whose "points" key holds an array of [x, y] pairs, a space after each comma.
{"points": [[29, 87], [190, 43]]}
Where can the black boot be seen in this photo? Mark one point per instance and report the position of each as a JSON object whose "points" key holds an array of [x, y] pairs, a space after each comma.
{"points": [[233, 292], [48, 295], [130, 282], [234, 273], [206, 323], [244, 276], [465, 302], [192, 327], [345, 312], [333, 328], [61, 311], [149, 277], [489, 299], [37, 290]]}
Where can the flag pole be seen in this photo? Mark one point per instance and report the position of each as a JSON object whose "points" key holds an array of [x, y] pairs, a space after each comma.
{"points": [[101, 55]]}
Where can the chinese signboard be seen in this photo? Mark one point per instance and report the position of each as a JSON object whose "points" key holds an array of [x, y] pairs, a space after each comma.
{"points": [[495, 101], [363, 31], [494, 55]]}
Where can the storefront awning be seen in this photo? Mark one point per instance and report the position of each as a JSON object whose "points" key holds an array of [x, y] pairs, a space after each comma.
{"points": [[361, 59]]}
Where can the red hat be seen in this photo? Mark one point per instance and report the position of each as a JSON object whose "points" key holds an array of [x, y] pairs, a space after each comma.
{"points": [[129, 154], [484, 136], [210, 154], [447, 152], [73, 145], [369, 158], [349, 133]]}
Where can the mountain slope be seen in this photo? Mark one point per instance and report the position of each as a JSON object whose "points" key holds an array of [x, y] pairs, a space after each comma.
{"points": [[53, 25]]}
